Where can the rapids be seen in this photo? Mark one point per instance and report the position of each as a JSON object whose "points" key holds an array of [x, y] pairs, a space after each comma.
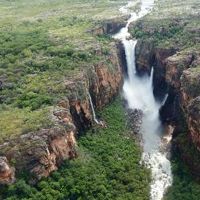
{"points": [[138, 91]]}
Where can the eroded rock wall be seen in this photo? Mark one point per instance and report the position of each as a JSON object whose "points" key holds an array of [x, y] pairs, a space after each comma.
{"points": [[39, 153], [7, 173], [148, 56], [176, 72]]}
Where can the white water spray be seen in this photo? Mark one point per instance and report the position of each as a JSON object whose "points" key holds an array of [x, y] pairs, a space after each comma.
{"points": [[138, 92]]}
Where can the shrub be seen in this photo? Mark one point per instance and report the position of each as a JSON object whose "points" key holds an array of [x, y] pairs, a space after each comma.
{"points": [[33, 100]]}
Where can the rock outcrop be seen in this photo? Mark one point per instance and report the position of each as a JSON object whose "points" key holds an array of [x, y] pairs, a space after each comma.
{"points": [[194, 121], [177, 73], [39, 153], [148, 56], [111, 26], [183, 80], [7, 173], [175, 65], [135, 120], [190, 101]]}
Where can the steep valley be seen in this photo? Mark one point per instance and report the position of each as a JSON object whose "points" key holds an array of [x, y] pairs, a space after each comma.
{"points": [[68, 129]]}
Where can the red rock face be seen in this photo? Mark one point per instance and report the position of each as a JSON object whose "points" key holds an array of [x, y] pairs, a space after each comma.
{"points": [[111, 26], [175, 65], [186, 81], [181, 73], [147, 56], [190, 93], [108, 82], [194, 126], [183, 76], [7, 173], [43, 151], [60, 148]]}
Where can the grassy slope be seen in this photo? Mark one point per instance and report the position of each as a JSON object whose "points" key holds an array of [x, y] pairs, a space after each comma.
{"points": [[107, 168], [43, 43], [175, 24]]}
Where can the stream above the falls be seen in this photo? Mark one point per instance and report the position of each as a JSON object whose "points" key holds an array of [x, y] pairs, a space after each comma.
{"points": [[138, 92]]}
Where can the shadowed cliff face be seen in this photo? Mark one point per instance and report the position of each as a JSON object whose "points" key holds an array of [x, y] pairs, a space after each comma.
{"points": [[42, 152], [190, 94], [147, 56], [194, 120], [178, 74]]}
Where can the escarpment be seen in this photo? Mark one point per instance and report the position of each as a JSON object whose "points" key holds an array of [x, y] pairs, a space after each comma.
{"points": [[41, 152]]}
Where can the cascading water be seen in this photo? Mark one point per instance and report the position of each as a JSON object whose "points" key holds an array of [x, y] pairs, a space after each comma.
{"points": [[138, 91], [93, 111]]}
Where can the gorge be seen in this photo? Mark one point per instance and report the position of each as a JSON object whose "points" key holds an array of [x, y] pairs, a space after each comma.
{"points": [[69, 136], [138, 91]]}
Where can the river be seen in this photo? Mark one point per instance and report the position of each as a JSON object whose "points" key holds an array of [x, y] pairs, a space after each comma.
{"points": [[138, 91]]}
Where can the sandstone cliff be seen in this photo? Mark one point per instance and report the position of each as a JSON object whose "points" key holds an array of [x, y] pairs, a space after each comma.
{"points": [[110, 26], [39, 153], [176, 73]]}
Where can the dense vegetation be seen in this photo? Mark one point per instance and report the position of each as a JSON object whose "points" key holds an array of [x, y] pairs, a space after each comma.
{"points": [[43, 44], [171, 24], [185, 186], [171, 33], [107, 168]]}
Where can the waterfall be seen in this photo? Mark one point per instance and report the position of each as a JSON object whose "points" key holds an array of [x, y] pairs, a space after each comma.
{"points": [[93, 111], [138, 91], [130, 58]]}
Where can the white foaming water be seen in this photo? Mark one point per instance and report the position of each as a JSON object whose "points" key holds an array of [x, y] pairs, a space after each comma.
{"points": [[138, 92]]}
